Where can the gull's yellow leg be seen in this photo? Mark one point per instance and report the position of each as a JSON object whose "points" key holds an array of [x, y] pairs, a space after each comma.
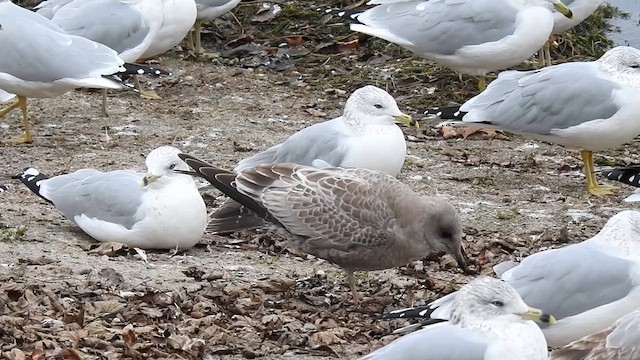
{"points": [[9, 108], [145, 94], [482, 83], [103, 106], [547, 52], [198, 41], [352, 285], [26, 136], [592, 183]]}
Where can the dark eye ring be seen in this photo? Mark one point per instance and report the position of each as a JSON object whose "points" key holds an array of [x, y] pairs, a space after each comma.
{"points": [[172, 166], [378, 106], [498, 303]]}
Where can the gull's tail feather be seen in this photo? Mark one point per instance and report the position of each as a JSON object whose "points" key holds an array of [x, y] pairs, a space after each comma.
{"points": [[233, 216], [138, 69], [409, 313], [32, 178], [627, 175], [224, 180], [118, 80], [445, 113]]}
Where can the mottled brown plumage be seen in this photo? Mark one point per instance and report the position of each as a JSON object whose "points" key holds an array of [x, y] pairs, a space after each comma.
{"points": [[358, 219]]}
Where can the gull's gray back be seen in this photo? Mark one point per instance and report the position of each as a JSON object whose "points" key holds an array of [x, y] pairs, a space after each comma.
{"points": [[441, 342], [113, 196], [444, 26], [571, 280], [541, 101], [114, 24], [322, 141]]}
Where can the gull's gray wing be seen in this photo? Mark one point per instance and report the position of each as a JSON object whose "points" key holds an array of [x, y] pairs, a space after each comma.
{"points": [[568, 281], [50, 54], [619, 342], [49, 7], [442, 26], [116, 24], [316, 145], [114, 196], [436, 342], [330, 208], [543, 101]]}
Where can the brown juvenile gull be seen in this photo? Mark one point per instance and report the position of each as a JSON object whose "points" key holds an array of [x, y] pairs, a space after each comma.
{"points": [[621, 341], [358, 219]]}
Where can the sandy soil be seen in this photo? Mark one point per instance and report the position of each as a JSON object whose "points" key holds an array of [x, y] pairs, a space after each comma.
{"points": [[241, 296]]}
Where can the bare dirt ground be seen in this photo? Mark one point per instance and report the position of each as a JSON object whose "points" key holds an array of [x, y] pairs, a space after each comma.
{"points": [[243, 296]]}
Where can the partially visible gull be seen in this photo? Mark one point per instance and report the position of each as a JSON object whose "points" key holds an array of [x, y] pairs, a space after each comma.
{"points": [[208, 10], [161, 209], [472, 37], [587, 286], [489, 321], [627, 175], [40, 60], [126, 26], [178, 16], [621, 341], [581, 9], [589, 106], [358, 219], [365, 136]]}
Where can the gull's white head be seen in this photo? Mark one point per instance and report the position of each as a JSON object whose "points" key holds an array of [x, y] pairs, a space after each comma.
{"points": [[372, 105], [622, 63], [622, 231], [162, 162], [487, 298]]}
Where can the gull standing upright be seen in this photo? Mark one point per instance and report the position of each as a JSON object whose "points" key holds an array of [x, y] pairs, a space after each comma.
{"points": [[581, 10], [208, 10], [365, 136], [489, 321], [473, 37], [127, 26], [358, 219], [40, 60], [589, 106], [157, 210], [178, 16]]}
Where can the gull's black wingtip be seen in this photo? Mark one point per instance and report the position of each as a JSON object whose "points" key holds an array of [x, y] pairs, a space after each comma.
{"points": [[445, 112], [629, 175], [138, 69], [420, 312]]}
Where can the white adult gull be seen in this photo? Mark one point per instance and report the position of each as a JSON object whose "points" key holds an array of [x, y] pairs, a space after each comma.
{"points": [[365, 136], [581, 10], [358, 219], [472, 37], [590, 106], [489, 321], [178, 16], [208, 10], [40, 60], [161, 209], [587, 286]]}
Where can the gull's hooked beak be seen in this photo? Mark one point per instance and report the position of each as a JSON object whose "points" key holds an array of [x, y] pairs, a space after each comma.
{"points": [[148, 179], [563, 9], [406, 119], [538, 315]]}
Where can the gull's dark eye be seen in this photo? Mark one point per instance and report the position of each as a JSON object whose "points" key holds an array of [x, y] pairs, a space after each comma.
{"points": [[378, 106], [635, 66], [498, 303], [172, 166]]}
